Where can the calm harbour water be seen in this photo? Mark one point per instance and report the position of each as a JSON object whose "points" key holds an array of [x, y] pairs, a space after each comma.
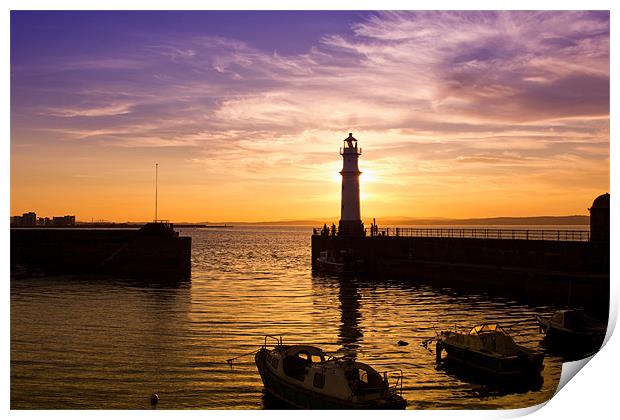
{"points": [[110, 343]]}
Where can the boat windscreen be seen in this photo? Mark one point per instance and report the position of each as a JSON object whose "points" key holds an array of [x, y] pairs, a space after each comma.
{"points": [[558, 318]]}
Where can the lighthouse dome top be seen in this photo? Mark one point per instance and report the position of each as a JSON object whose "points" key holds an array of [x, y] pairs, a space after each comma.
{"points": [[350, 146], [350, 141]]}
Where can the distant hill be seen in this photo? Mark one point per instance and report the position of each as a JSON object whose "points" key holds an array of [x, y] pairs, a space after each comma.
{"points": [[275, 223], [382, 221], [535, 220], [403, 221]]}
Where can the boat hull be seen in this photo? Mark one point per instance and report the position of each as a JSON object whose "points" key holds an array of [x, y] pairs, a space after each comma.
{"points": [[330, 267], [302, 398]]}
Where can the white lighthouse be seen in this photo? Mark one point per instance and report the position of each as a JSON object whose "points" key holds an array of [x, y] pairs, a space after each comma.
{"points": [[350, 218]]}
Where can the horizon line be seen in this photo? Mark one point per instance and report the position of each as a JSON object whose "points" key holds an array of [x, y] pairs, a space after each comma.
{"points": [[389, 219]]}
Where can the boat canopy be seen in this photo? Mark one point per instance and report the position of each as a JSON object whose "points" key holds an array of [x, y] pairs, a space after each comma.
{"points": [[486, 328], [487, 337]]}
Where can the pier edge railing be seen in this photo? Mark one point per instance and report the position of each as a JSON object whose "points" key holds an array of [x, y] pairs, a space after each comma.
{"points": [[476, 233]]}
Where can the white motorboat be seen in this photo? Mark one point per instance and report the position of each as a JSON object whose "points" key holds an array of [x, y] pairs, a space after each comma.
{"points": [[306, 377]]}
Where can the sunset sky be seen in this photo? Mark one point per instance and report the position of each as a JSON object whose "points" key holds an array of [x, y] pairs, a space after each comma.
{"points": [[459, 114]]}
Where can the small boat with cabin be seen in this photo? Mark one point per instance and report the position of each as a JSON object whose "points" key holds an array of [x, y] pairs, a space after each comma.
{"points": [[306, 377], [573, 329], [488, 350], [338, 261], [159, 228]]}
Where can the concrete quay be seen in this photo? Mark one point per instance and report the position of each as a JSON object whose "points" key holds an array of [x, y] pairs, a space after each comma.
{"points": [[155, 250]]}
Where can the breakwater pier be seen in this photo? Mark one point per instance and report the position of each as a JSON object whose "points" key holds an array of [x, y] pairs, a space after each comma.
{"points": [[555, 267], [155, 250]]}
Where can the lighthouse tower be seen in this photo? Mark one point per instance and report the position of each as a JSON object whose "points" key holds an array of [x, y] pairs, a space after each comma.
{"points": [[350, 219]]}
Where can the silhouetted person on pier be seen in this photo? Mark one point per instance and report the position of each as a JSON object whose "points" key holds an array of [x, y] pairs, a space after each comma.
{"points": [[333, 229], [325, 231], [373, 228]]}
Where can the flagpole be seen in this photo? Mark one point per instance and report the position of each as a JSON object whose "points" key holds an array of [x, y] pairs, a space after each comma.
{"points": [[156, 170]]}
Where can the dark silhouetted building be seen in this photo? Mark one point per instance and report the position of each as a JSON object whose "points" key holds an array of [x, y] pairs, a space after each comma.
{"points": [[63, 221], [26, 219], [30, 219], [44, 221], [599, 219]]}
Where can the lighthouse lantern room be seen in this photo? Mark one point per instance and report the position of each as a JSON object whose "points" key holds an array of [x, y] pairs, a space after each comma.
{"points": [[350, 218]]}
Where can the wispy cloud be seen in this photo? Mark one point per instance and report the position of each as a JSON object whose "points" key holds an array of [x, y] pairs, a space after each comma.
{"points": [[118, 109]]}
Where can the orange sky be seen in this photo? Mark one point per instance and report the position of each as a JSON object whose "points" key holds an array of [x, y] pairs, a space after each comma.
{"points": [[458, 116]]}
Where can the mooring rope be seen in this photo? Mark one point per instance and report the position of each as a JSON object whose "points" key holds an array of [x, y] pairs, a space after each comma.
{"points": [[230, 361]]}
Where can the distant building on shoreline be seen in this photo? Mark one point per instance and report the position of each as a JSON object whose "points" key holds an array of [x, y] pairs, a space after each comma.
{"points": [[26, 219], [30, 219], [63, 221]]}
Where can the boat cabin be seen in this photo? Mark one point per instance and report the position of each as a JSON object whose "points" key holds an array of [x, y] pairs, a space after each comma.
{"points": [[296, 362], [576, 320], [160, 228], [486, 337]]}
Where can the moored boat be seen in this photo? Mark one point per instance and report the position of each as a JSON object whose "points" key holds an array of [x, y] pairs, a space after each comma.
{"points": [[488, 350], [573, 329], [306, 377], [341, 261]]}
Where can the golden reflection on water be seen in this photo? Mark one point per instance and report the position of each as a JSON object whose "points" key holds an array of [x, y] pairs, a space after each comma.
{"points": [[110, 343]]}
